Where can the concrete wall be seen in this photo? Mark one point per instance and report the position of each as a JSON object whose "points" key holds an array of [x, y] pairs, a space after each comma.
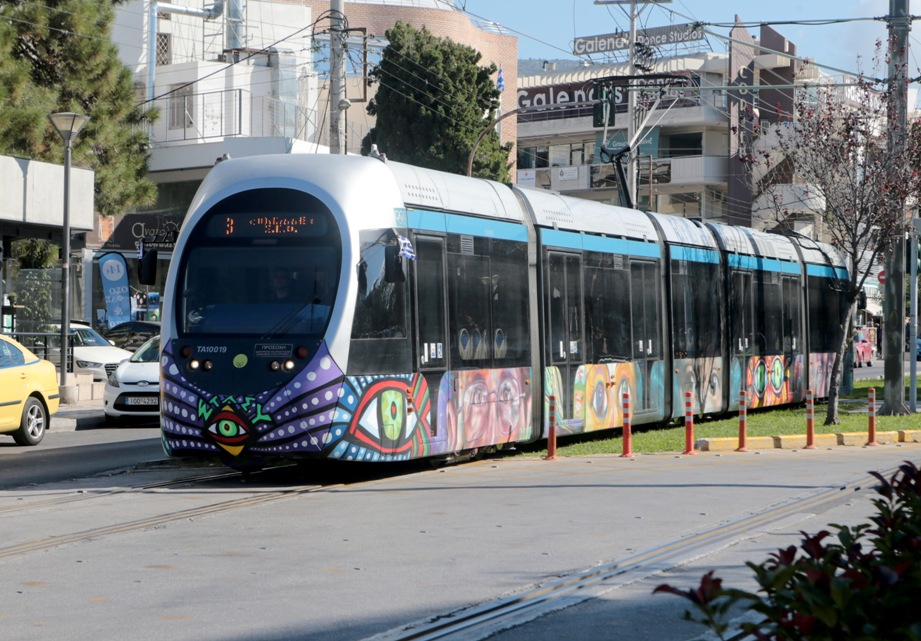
{"points": [[32, 193]]}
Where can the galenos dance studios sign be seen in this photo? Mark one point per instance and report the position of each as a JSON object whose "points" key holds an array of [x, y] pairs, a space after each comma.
{"points": [[655, 37]]}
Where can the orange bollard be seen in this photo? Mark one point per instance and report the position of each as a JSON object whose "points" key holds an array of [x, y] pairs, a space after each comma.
{"points": [[689, 423], [628, 430], [871, 418], [743, 422], [810, 420], [551, 434]]}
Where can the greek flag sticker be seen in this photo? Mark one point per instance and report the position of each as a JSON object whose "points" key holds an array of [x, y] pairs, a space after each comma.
{"points": [[406, 248]]}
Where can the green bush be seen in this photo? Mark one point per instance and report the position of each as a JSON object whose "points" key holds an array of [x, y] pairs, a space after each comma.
{"points": [[863, 584]]}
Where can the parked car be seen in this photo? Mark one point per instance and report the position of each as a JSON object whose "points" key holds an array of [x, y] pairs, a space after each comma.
{"points": [[133, 389], [93, 354], [29, 393], [132, 334], [863, 350]]}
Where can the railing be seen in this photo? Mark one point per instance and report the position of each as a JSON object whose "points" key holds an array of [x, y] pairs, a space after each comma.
{"points": [[229, 113], [46, 345]]}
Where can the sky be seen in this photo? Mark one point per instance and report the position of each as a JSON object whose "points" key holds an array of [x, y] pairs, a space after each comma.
{"points": [[546, 28]]}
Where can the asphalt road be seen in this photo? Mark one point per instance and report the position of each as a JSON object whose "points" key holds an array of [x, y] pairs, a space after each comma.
{"points": [[293, 556], [74, 454]]}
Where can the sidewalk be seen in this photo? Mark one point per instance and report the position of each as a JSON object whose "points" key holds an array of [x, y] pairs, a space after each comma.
{"points": [[83, 415]]}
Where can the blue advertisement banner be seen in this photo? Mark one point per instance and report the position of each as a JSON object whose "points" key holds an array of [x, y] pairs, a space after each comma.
{"points": [[114, 273]]}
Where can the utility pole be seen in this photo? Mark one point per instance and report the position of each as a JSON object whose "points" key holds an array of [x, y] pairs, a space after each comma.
{"points": [[899, 24], [631, 95], [336, 95]]}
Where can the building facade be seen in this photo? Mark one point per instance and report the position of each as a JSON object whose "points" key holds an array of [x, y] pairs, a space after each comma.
{"points": [[249, 77]]}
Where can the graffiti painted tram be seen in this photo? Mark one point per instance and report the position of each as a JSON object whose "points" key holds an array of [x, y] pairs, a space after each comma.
{"points": [[345, 308]]}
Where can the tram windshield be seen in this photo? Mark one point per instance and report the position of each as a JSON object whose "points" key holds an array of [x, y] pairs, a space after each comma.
{"points": [[266, 291]]}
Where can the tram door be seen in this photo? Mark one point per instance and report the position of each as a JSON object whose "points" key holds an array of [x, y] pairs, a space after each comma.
{"points": [[793, 335], [565, 346], [432, 351], [647, 332]]}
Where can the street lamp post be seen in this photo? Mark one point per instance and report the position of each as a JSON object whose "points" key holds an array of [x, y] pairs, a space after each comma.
{"points": [[68, 126]]}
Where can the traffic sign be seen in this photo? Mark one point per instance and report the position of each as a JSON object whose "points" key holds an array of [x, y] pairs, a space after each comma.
{"points": [[882, 277]]}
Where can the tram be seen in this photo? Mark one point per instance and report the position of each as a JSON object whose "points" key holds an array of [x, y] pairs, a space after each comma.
{"points": [[347, 308]]}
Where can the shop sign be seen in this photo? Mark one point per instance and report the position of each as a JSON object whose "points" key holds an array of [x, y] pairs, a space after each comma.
{"points": [[157, 231]]}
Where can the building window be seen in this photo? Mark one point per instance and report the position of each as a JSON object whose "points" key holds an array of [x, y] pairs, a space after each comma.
{"points": [[164, 49], [678, 145], [181, 107]]}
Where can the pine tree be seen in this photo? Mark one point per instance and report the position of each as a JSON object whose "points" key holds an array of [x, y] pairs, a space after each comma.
{"points": [[432, 102], [56, 55]]}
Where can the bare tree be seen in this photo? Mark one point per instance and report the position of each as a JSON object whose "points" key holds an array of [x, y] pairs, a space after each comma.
{"points": [[845, 180]]}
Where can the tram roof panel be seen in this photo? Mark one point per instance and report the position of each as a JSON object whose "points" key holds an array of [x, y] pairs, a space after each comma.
{"points": [[683, 231], [551, 209], [441, 191], [752, 242], [819, 253], [774, 246]]}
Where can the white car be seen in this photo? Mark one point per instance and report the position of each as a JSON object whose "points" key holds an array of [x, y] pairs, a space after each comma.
{"points": [[133, 389], [93, 354]]}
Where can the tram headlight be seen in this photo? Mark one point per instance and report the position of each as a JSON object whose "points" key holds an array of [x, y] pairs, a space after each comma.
{"points": [[207, 365], [289, 365], [194, 364], [274, 366]]}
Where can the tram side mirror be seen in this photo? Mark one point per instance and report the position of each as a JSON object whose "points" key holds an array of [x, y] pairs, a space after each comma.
{"points": [[394, 267], [147, 268]]}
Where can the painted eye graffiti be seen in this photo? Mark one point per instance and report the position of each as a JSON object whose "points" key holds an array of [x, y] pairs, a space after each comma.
{"points": [[383, 420], [229, 431]]}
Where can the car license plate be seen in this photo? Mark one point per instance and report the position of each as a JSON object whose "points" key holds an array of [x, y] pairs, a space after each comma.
{"points": [[143, 400]]}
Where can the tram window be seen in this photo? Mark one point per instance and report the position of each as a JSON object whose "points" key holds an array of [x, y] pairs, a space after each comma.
{"points": [[824, 311], [509, 298], [740, 317], [380, 311], [430, 289], [696, 309], [792, 331], [646, 313], [607, 309], [769, 315], [574, 308], [488, 302], [470, 286]]}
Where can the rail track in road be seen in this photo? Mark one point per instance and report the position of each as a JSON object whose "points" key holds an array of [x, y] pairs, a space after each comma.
{"points": [[486, 619], [87, 495], [254, 497]]}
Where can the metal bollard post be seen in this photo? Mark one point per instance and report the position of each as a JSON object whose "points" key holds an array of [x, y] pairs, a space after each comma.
{"points": [[689, 423], [551, 435], [628, 428], [810, 420], [743, 422], [871, 418]]}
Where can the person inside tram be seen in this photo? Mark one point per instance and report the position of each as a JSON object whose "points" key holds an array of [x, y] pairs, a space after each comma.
{"points": [[281, 286]]}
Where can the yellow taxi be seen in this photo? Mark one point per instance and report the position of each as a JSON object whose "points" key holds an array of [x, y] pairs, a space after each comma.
{"points": [[29, 393]]}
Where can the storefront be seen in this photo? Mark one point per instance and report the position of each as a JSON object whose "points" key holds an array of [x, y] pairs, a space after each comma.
{"points": [[111, 276]]}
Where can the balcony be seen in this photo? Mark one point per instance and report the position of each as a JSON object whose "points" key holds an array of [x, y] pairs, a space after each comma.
{"points": [[213, 115], [663, 172]]}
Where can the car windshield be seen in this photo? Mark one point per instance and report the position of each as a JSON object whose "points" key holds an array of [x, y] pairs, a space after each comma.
{"points": [[87, 337], [149, 352]]}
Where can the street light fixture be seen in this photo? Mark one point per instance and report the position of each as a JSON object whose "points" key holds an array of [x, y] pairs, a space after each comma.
{"points": [[68, 126]]}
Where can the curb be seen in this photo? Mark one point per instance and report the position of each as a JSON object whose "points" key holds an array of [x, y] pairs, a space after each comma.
{"points": [[798, 441], [82, 416]]}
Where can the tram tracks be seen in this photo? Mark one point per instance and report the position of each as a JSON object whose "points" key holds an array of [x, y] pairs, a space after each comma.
{"points": [[76, 496], [254, 498], [485, 619]]}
